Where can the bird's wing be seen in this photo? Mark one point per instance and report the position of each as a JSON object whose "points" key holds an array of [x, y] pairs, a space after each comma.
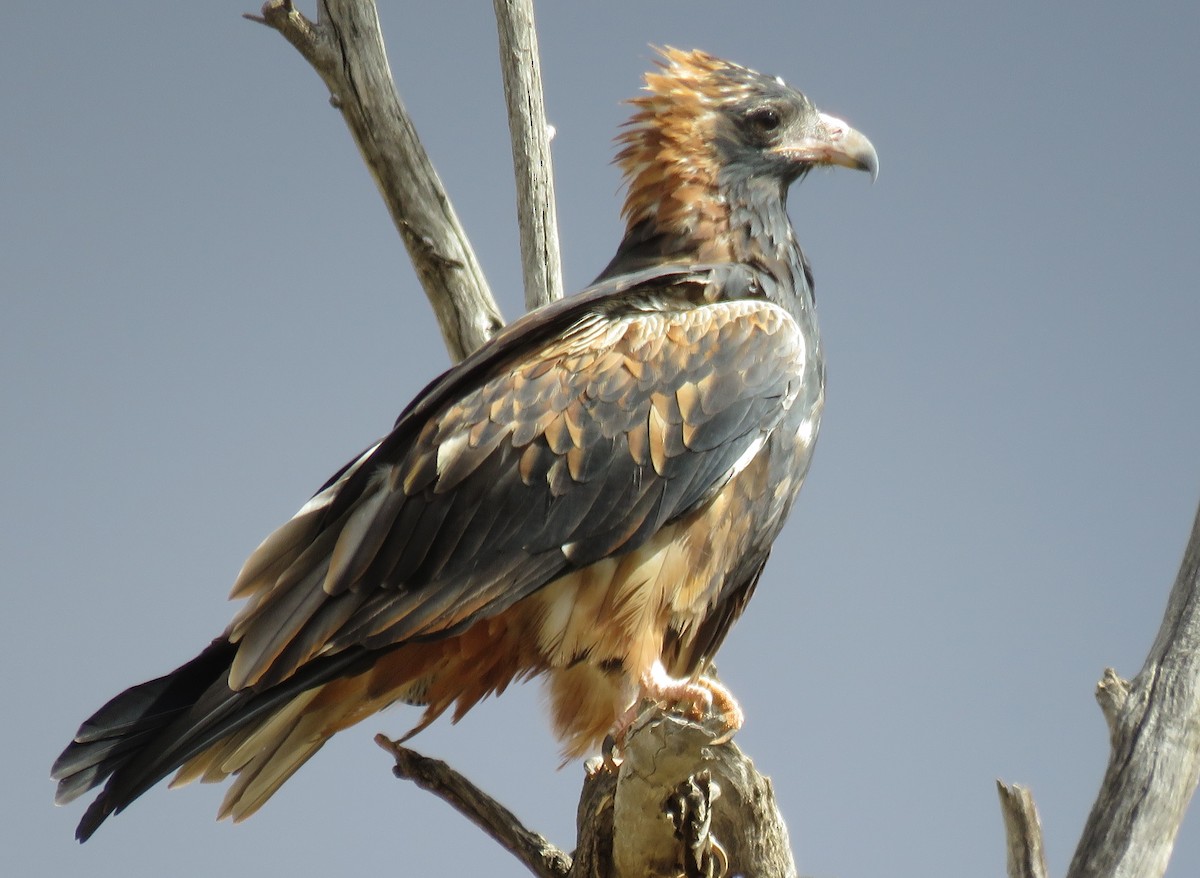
{"points": [[576, 434]]}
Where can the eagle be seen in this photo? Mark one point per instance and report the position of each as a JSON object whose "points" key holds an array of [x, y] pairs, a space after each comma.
{"points": [[589, 498]]}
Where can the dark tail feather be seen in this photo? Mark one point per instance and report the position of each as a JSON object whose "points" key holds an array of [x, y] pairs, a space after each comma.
{"points": [[109, 738], [147, 732], [130, 724]]}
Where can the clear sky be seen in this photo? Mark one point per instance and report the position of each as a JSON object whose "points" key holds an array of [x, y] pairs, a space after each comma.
{"points": [[204, 311]]}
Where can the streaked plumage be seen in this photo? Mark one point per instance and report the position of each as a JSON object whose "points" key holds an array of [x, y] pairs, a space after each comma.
{"points": [[591, 496]]}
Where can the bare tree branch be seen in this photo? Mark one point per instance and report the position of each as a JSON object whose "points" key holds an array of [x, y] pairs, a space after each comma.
{"points": [[1154, 724], [1154, 729], [533, 850], [346, 48], [678, 806], [522, 72], [1026, 857]]}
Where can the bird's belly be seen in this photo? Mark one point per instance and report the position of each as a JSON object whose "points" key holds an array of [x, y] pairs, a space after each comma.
{"points": [[599, 630]]}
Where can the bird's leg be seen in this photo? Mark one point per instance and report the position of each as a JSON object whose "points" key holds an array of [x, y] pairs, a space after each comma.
{"points": [[699, 697]]}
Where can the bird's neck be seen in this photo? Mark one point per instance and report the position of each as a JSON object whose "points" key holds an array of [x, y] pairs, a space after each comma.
{"points": [[742, 221], [762, 236]]}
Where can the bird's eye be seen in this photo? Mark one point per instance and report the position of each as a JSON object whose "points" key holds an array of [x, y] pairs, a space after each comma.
{"points": [[764, 119]]}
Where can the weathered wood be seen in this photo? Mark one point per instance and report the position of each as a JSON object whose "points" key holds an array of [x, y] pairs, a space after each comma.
{"points": [[1026, 856], [522, 73], [662, 760], [1154, 762], [677, 806], [345, 47], [433, 775], [1154, 724]]}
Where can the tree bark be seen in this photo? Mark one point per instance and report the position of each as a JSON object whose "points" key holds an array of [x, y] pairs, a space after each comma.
{"points": [[1154, 729], [683, 806], [522, 72], [1026, 856], [677, 805], [344, 45]]}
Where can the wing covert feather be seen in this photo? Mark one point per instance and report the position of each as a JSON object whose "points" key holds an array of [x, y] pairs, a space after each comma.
{"points": [[548, 458]]}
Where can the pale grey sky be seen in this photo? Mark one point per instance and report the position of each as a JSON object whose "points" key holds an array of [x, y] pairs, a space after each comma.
{"points": [[205, 311]]}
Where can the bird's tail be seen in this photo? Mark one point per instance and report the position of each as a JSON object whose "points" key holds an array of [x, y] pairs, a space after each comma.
{"points": [[148, 731]]}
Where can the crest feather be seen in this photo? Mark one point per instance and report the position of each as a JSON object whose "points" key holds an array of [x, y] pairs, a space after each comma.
{"points": [[666, 153]]}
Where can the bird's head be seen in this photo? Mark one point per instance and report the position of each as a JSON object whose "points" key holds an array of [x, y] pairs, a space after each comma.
{"points": [[707, 126]]}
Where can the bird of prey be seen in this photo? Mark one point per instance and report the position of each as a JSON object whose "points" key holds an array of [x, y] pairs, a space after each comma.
{"points": [[590, 497]]}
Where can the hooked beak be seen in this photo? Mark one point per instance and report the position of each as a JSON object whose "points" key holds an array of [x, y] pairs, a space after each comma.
{"points": [[835, 143]]}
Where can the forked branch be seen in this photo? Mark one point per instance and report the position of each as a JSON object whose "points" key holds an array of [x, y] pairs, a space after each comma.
{"points": [[1154, 729], [344, 45]]}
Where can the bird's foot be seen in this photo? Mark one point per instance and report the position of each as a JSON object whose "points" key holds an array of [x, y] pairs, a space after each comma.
{"points": [[698, 698], [724, 704], [609, 760]]}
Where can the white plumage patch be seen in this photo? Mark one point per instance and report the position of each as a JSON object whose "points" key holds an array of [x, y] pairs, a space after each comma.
{"points": [[449, 451], [748, 455]]}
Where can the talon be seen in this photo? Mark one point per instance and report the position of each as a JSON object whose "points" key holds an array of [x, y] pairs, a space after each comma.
{"points": [[608, 749], [696, 699], [699, 698], [701, 702], [720, 859], [731, 712], [593, 766]]}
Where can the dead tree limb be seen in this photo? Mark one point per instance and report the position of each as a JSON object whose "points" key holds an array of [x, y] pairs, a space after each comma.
{"points": [[1154, 728], [1154, 725], [522, 72], [684, 807], [678, 805], [435, 776], [1026, 856], [344, 45]]}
